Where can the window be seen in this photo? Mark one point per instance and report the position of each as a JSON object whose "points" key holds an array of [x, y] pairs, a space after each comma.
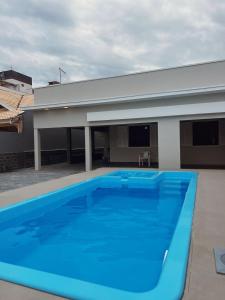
{"points": [[205, 133], [139, 136]]}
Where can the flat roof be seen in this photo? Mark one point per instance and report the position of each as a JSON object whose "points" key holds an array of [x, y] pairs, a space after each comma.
{"points": [[135, 73], [11, 74], [112, 100]]}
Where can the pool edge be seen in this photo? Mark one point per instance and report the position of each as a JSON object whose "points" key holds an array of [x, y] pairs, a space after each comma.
{"points": [[156, 293]]}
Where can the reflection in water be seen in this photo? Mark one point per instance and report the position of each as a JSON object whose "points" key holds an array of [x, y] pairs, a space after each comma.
{"points": [[113, 236]]}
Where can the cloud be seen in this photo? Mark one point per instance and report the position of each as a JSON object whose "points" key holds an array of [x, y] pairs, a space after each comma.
{"points": [[97, 38]]}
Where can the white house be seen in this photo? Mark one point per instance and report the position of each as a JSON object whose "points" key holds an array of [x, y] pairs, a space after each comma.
{"points": [[16, 81], [178, 114]]}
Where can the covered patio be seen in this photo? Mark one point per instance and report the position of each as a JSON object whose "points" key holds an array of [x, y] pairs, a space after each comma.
{"points": [[173, 142], [107, 145]]}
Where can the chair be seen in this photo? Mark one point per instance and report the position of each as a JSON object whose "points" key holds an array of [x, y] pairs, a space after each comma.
{"points": [[145, 156]]}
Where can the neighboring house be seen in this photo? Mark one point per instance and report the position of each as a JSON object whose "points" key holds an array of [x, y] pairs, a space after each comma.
{"points": [[11, 114], [16, 81], [16, 128], [176, 113]]}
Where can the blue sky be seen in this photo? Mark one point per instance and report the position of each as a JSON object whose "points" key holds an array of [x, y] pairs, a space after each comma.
{"points": [[99, 38]]}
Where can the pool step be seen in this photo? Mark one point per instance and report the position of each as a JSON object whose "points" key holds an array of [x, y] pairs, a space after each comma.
{"points": [[176, 181], [174, 187], [173, 183], [171, 193]]}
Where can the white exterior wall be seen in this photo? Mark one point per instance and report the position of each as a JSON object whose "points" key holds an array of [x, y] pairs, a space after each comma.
{"points": [[159, 81], [78, 117], [37, 149], [88, 148], [166, 111], [123, 113], [169, 143], [21, 86]]}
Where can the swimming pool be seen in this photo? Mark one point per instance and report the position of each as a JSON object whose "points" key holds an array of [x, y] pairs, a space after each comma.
{"points": [[124, 235]]}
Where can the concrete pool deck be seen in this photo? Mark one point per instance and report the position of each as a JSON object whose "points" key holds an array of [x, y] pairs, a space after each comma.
{"points": [[208, 232]]}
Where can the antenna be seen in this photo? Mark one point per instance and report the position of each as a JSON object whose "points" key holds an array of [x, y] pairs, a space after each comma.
{"points": [[60, 74]]}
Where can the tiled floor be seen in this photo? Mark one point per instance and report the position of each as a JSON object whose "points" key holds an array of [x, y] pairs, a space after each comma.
{"points": [[208, 232]]}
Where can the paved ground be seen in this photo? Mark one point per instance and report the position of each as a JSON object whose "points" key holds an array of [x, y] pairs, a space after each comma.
{"points": [[19, 178], [203, 283], [208, 232]]}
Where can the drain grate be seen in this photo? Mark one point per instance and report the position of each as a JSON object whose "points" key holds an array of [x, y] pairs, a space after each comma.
{"points": [[220, 260]]}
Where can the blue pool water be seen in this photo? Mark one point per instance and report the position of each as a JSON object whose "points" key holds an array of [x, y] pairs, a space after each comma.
{"points": [[137, 173], [107, 232]]}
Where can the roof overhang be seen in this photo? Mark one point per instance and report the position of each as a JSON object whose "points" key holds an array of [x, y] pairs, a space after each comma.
{"points": [[157, 112], [124, 99]]}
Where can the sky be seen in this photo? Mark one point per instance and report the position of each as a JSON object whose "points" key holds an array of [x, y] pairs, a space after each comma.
{"points": [[101, 38]]}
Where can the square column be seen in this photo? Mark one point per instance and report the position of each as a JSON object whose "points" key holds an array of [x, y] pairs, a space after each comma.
{"points": [[68, 144], [37, 149], [88, 148], [93, 142], [169, 143], [106, 146]]}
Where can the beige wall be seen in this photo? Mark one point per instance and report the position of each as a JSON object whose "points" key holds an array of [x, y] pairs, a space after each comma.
{"points": [[119, 150], [202, 155]]}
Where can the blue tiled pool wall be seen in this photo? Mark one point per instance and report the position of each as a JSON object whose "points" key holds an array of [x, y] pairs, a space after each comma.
{"points": [[117, 179]]}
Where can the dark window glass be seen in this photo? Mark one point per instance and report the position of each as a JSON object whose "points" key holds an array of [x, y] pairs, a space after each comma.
{"points": [[139, 136], [205, 133]]}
